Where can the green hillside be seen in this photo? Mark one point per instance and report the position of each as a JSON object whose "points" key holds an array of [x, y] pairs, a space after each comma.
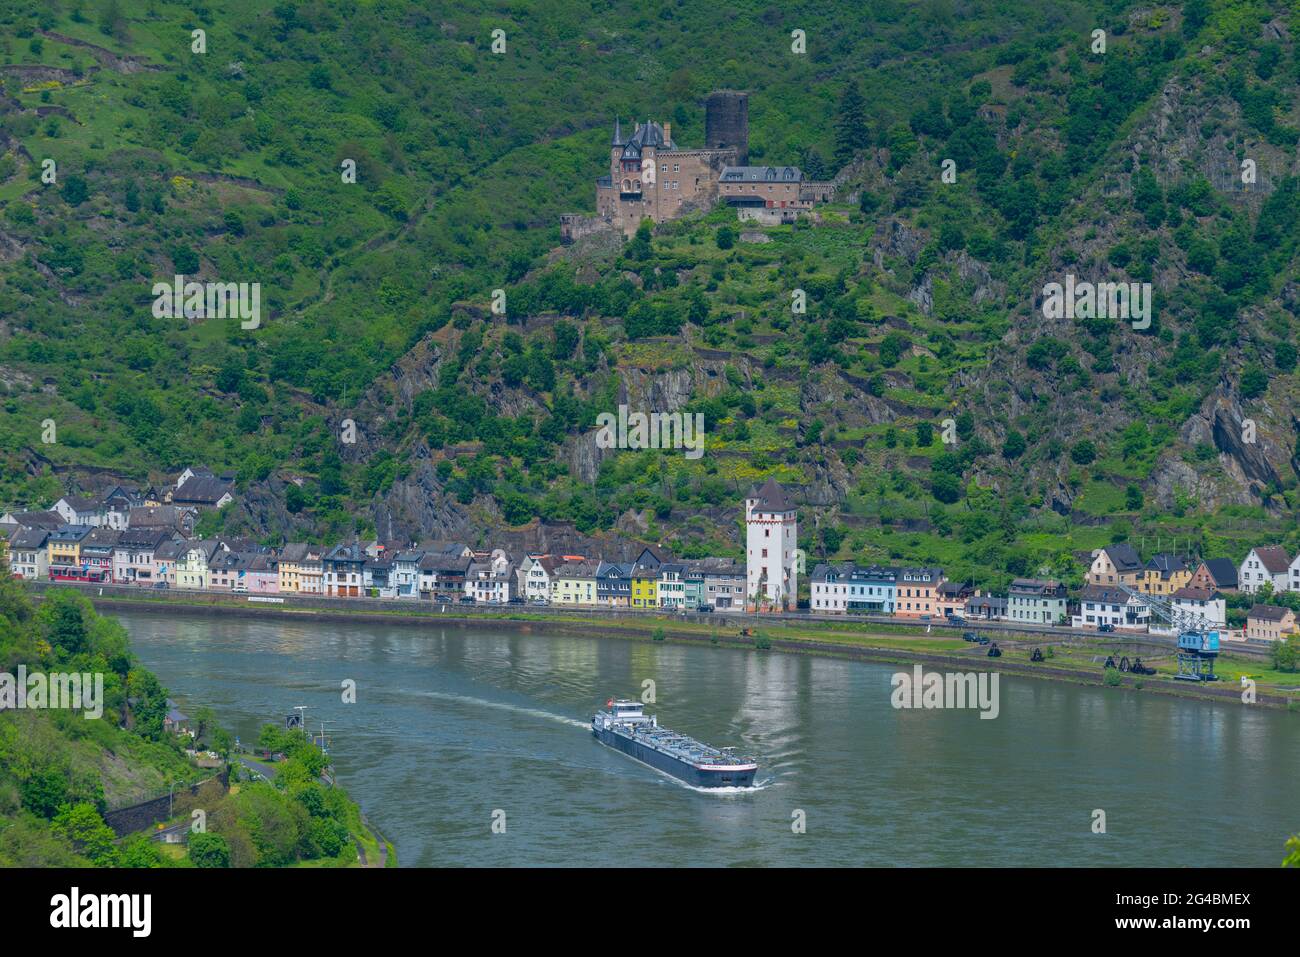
{"points": [[60, 772], [922, 296]]}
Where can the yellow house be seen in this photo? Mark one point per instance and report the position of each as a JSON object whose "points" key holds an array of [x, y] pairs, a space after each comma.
{"points": [[1164, 575], [645, 587], [64, 549], [290, 565], [574, 584]]}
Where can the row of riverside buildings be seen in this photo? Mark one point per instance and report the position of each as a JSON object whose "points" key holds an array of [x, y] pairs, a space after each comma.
{"points": [[125, 536], [1194, 589], [152, 547]]}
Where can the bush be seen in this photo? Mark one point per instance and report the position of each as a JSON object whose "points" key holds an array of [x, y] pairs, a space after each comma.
{"points": [[1254, 382], [75, 191], [209, 850], [1014, 446], [1286, 655], [726, 237]]}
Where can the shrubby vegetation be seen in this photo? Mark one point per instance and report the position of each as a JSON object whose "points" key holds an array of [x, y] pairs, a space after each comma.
{"points": [[228, 165], [60, 773]]}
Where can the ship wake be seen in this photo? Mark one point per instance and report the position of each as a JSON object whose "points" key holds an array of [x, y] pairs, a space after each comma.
{"points": [[503, 706]]}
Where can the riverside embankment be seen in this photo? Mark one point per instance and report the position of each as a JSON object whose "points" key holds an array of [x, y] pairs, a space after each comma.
{"points": [[1074, 656]]}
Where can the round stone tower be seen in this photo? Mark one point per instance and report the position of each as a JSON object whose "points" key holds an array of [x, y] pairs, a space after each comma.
{"points": [[726, 123]]}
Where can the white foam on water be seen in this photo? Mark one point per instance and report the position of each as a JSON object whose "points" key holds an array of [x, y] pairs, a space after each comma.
{"points": [[753, 789], [502, 706]]}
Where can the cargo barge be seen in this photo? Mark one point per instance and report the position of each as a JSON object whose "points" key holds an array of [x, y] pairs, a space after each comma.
{"points": [[625, 727]]}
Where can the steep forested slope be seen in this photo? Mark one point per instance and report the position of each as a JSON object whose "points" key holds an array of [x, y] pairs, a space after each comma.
{"points": [[61, 771], [923, 296]]}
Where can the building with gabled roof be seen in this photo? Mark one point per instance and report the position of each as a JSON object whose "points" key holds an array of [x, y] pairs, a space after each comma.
{"points": [[844, 588], [80, 510], [537, 576], [1116, 564], [48, 520], [29, 558], [1164, 574], [1217, 574], [443, 573], [203, 492], [344, 571], [614, 584], [168, 517], [574, 583], [916, 592], [1196, 603], [1270, 623], [1036, 601], [133, 556], [1265, 564], [194, 561], [1112, 606]]}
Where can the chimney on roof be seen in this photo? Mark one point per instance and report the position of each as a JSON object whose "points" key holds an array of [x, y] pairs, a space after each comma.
{"points": [[668, 133]]}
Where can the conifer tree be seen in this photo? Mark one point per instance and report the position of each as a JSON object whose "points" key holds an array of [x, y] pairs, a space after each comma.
{"points": [[851, 126]]}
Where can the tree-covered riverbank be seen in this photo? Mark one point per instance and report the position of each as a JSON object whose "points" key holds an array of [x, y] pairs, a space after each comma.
{"points": [[70, 765]]}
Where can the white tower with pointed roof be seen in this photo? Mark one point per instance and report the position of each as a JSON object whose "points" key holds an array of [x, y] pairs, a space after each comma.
{"points": [[771, 549]]}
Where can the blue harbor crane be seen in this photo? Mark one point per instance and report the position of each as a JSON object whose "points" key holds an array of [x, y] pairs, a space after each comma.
{"points": [[1198, 643]]}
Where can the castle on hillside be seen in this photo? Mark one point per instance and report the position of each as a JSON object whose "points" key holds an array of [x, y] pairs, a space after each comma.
{"points": [[652, 177]]}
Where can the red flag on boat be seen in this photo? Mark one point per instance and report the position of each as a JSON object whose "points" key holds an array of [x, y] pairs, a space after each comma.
{"points": [[609, 703]]}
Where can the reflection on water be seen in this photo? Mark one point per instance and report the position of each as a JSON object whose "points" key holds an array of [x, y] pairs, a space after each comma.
{"points": [[451, 725]]}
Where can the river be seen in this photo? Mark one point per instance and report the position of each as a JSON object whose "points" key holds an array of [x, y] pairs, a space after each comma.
{"points": [[455, 728]]}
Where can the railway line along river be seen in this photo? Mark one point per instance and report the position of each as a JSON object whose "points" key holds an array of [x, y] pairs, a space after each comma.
{"points": [[454, 729]]}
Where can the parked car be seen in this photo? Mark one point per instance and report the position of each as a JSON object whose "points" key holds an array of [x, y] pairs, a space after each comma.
{"points": [[159, 584], [442, 598], [969, 636], [1106, 627], [466, 599], [705, 608]]}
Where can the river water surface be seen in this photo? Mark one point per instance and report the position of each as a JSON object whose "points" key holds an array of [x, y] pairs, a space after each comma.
{"points": [[453, 727]]}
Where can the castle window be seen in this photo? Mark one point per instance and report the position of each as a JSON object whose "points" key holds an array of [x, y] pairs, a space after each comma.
{"points": [[677, 167]]}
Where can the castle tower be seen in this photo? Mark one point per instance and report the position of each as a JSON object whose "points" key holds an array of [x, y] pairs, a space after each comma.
{"points": [[726, 123], [771, 549]]}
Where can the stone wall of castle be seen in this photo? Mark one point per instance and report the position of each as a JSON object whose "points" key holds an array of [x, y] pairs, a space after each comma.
{"points": [[683, 179]]}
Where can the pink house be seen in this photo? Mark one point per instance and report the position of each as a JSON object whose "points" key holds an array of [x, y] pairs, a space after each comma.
{"points": [[260, 575]]}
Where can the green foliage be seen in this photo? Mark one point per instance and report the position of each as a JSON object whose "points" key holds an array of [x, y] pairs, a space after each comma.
{"points": [[82, 827], [1083, 452], [462, 172], [209, 850], [1286, 654], [851, 134]]}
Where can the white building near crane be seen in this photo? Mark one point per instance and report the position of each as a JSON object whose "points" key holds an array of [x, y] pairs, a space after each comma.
{"points": [[1196, 603], [771, 549]]}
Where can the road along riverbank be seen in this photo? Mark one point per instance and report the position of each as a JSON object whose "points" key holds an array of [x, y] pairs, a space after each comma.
{"points": [[1070, 656]]}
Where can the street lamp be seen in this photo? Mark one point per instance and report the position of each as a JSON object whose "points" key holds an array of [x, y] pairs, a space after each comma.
{"points": [[170, 791]]}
